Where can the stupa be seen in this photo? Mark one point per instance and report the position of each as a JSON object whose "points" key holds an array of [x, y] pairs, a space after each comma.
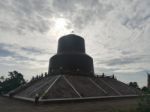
{"points": [[71, 77], [71, 57]]}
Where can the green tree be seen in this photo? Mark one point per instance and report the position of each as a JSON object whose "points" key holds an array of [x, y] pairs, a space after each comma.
{"points": [[146, 90], [14, 80]]}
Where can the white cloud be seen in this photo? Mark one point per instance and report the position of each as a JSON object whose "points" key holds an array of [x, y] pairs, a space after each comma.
{"points": [[116, 33]]}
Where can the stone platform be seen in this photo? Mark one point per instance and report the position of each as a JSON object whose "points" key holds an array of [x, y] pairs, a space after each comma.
{"points": [[73, 87]]}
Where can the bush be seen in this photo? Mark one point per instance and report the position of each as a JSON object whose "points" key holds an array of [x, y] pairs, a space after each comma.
{"points": [[144, 104]]}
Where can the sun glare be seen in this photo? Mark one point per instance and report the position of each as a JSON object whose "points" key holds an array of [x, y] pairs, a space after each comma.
{"points": [[60, 27], [60, 23]]}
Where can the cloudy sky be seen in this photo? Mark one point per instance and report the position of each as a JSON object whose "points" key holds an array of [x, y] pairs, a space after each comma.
{"points": [[116, 32]]}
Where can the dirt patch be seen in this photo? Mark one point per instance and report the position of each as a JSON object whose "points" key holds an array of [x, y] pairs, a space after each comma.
{"points": [[8, 105]]}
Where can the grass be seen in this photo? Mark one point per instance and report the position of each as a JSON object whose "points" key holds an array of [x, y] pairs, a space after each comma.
{"points": [[143, 105]]}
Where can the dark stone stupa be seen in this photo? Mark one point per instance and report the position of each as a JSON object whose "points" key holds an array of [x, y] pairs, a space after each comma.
{"points": [[71, 77], [71, 57]]}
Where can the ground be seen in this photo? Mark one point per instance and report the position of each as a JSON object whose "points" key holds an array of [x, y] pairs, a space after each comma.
{"points": [[8, 105]]}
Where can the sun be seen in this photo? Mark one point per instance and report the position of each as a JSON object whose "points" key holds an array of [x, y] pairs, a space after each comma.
{"points": [[60, 27], [60, 23]]}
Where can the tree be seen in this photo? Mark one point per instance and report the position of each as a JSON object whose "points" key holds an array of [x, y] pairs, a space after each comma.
{"points": [[134, 84], [146, 90], [14, 80], [45, 75], [2, 78]]}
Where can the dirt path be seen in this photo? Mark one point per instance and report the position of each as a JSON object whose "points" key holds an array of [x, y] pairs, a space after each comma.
{"points": [[11, 105]]}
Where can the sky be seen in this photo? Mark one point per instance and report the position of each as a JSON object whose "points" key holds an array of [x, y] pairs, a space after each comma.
{"points": [[116, 33]]}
